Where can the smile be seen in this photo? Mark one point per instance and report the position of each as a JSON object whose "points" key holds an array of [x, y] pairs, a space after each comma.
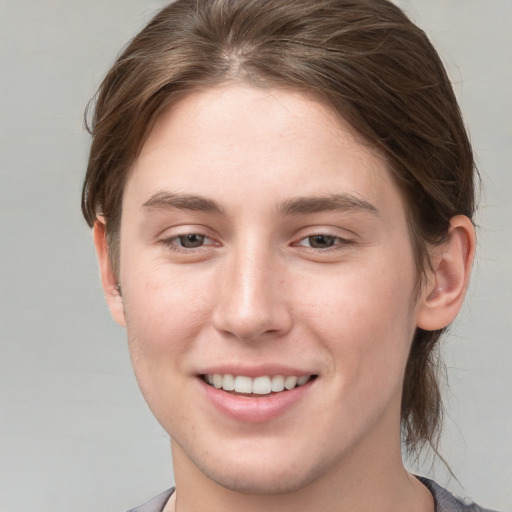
{"points": [[263, 385]]}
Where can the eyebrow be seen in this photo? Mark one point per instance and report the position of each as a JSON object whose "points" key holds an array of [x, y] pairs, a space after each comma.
{"points": [[183, 202], [332, 202], [295, 206]]}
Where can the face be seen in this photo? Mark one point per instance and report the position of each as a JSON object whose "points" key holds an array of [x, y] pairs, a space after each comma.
{"points": [[267, 278]]}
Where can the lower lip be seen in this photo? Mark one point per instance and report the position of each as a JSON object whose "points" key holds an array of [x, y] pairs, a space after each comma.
{"points": [[258, 409]]}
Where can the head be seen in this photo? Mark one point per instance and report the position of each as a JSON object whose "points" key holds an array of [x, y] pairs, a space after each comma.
{"points": [[363, 59]]}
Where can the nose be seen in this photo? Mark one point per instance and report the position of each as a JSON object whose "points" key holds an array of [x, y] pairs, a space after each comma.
{"points": [[251, 304]]}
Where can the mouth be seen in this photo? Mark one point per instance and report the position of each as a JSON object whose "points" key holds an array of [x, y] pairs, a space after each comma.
{"points": [[258, 386]]}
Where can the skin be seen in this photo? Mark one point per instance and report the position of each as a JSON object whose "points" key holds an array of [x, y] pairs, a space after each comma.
{"points": [[259, 290]]}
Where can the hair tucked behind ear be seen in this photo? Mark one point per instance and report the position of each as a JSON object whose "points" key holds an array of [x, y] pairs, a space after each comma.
{"points": [[373, 66], [422, 409]]}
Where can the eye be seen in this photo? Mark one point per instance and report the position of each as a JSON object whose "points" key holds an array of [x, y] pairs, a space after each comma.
{"points": [[322, 241], [191, 240], [187, 241]]}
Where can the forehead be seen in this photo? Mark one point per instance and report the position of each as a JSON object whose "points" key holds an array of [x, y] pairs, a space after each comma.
{"points": [[245, 141], [239, 110]]}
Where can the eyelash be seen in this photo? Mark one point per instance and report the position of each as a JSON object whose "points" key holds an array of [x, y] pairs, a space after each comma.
{"points": [[175, 243], [338, 243]]}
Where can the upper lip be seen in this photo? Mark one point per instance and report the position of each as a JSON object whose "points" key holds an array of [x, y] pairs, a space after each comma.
{"points": [[254, 371]]}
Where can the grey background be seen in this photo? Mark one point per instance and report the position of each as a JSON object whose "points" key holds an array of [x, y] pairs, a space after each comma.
{"points": [[74, 431]]}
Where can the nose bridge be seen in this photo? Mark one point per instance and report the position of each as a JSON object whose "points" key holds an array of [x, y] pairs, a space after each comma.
{"points": [[249, 303]]}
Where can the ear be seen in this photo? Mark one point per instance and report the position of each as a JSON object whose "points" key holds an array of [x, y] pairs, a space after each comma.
{"points": [[109, 281], [448, 280]]}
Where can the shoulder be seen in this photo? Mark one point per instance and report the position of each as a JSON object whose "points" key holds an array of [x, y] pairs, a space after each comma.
{"points": [[443, 499], [447, 502], [155, 504]]}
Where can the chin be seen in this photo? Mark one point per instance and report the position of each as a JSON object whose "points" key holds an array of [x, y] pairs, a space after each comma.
{"points": [[262, 477], [260, 484]]}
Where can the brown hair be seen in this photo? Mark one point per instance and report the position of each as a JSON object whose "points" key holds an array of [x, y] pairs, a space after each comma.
{"points": [[364, 57]]}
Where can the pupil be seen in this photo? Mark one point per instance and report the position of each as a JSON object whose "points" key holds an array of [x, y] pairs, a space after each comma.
{"points": [[191, 240], [321, 241]]}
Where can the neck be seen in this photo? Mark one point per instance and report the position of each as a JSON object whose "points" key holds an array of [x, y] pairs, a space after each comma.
{"points": [[371, 479]]}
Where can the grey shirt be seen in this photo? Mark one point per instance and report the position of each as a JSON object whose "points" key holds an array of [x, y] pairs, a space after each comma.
{"points": [[444, 500]]}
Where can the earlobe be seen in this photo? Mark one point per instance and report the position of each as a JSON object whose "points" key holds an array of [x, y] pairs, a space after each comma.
{"points": [[109, 281], [445, 290]]}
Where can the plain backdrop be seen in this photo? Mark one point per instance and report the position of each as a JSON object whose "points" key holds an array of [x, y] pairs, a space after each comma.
{"points": [[74, 432]]}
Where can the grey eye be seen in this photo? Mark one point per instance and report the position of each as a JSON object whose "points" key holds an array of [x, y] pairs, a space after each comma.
{"points": [[191, 240], [321, 241]]}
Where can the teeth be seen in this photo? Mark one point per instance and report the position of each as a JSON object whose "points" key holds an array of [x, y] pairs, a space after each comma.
{"points": [[243, 384], [217, 381], [290, 382], [258, 386], [262, 386], [228, 383], [302, 380], [277, 383]]}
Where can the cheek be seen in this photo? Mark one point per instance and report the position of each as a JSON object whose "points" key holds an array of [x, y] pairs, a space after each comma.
{"points": [[164, 312], [366, 320]]}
